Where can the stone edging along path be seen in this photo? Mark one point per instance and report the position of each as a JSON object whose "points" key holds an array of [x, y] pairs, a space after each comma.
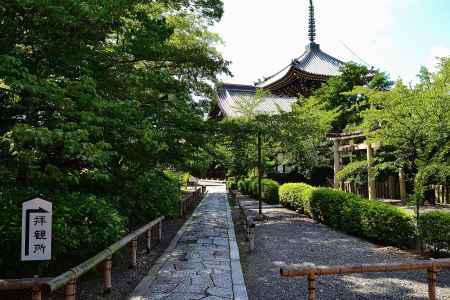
{"points": [[202, 261]]}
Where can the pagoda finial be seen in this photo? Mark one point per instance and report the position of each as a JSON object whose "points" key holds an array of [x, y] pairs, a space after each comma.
{"points": [[312, 23]]}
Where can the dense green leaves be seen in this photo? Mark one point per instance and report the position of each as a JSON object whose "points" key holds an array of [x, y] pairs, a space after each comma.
{"points": [[414, 122], [99, 98]]}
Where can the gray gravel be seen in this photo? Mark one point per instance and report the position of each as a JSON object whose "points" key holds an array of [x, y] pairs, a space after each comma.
{"points": [[285, 239]]}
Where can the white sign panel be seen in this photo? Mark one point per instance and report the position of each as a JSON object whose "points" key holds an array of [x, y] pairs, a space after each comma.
{"points": [[36, 230]]}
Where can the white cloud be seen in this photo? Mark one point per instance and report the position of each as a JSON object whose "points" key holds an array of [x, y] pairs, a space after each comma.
{"points": [[263, 36]]}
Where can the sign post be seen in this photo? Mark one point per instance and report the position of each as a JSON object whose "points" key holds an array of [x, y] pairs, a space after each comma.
{"points": [[36, 230]]}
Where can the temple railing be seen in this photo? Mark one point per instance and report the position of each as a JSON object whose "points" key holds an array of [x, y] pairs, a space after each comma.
{"points": [[68, 279], [312, 271]]}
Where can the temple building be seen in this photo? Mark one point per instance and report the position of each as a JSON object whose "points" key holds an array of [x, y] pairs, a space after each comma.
{"points": [[300, 77]]}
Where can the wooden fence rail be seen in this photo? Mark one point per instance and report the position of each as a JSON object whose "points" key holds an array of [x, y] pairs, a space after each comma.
{"points": [[68, 279], [311, 271]]}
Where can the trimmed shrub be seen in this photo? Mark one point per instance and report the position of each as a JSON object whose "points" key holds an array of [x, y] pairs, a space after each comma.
{"points": [[434, 229], [232, 183], [241, 186], [269, 189], [296, 196], [373, 220]]}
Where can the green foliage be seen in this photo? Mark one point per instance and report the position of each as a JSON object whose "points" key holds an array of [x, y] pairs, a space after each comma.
{"points": [[79, 220], [232, 183], [415, 121], [97, 100], [296, 196], [373, 220], [434, 230], [185, 179], [354, 172], [269, 189], [332, 94], [296, 139]]}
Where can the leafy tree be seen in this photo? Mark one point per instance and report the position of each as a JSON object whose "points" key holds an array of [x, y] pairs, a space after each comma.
{"points": [[332, 94], [415, 121], [294, 138], [100, 98]]}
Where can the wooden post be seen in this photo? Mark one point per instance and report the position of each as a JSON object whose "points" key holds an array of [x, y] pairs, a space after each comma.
{"points": [[259, 177], [70, 290], [402, 184], [432, 278], [252, 236], [337, 162], [160, 231], [311, 286], [371, 176], [133, 253], [107, 267], [181, 207], [149, 240], [36, 293]]}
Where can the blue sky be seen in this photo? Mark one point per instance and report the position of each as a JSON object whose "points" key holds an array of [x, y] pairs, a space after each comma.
{"points": [[397, 36]]}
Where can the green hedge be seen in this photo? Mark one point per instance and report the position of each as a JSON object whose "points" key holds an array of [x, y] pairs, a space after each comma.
{"points": [[296, 196], [434, 229], [269, 189], [82, 226], [232, 183], [373, 220]]}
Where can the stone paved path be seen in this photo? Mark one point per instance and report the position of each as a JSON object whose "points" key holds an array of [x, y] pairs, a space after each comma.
{"points": [[203, 260]]}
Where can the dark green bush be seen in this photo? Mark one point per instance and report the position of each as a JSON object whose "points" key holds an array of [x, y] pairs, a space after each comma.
{"points": [[373, 220], [269, 189], [82, 226], [149, 195], [241, 186], [434, 230], [232, 183]]}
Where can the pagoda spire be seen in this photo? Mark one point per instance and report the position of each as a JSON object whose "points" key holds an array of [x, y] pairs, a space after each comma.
{"points": [[312, 23]]}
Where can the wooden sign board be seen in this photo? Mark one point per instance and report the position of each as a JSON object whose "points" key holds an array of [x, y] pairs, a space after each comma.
{"points": [[36, 230]]}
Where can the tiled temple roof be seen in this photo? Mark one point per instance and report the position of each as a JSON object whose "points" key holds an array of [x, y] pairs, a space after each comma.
{"points": [[312, 62], [230, 94]]}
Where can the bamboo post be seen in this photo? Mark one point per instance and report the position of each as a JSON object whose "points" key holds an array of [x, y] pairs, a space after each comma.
{"points": [[149, 240], [36, 293], [160, 231], [181, 207], [311, 286], [133, 253], [107, 267], [70, 290], [252, 236], [432, 278], [260, 213]]}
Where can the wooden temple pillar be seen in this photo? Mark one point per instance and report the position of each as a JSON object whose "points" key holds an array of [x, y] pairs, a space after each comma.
{"points": [[371, 174], [337, 163]]}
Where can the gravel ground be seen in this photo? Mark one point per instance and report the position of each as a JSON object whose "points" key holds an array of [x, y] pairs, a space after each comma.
{"points": [[285, 239], [124, 280]]}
